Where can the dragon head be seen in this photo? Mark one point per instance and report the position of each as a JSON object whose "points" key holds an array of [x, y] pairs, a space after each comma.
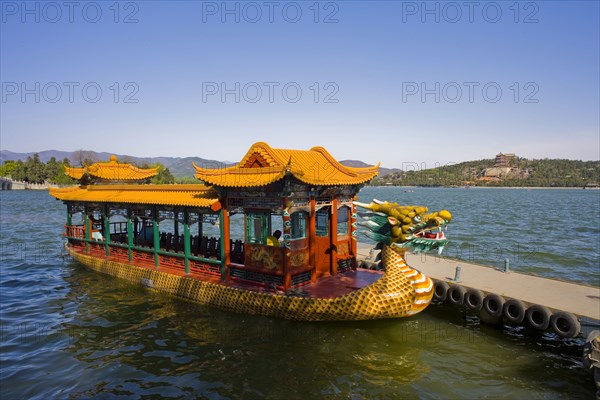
{"points": [[408, 227]]}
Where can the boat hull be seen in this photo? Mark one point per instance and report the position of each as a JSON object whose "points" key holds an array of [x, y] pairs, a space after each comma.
{"points": [[391, 296]]}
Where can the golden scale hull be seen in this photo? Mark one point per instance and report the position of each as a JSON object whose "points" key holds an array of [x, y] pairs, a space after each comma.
{"points": [[401, 291]]}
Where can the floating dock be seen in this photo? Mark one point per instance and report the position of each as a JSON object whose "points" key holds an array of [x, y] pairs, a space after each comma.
{"points": [[570, 309]]}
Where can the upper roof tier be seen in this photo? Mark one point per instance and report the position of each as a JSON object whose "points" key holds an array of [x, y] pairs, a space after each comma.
{"points": [[263, 165], [112, 171]]}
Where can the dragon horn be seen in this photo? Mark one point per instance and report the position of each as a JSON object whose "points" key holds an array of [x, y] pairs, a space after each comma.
{"points": [[378, 201], [363, 205]]}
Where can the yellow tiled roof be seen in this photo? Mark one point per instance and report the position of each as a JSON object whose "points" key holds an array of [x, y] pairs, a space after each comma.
{"points": [[166, 195], [75, 173], [112, 171], [263, 165]]}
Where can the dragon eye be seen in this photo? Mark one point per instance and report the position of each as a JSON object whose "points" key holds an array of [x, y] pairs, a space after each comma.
{"points": [[417, 219]]}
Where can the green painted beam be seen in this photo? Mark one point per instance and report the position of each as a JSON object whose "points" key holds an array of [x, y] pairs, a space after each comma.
{"points": [[155, 235], [106, 230], [222, 233], [186, 241], [129, 235], [88, 233]]}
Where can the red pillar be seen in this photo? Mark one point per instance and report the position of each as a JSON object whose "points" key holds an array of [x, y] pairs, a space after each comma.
{"points": [[312, 241], [225, 240], [353, 238], [334, 236]]}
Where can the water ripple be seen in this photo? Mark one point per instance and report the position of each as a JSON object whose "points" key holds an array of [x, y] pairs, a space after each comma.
{"points": [[67, 332]]}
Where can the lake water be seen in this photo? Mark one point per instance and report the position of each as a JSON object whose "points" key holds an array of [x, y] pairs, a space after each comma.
{"points": [[67, 332]]}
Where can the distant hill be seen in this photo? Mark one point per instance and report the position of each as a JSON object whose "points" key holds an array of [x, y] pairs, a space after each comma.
{"points": [[179, 166], [521, 172], [45, 155]]}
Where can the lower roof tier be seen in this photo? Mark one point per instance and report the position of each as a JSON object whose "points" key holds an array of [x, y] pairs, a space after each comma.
{"points": [[166, 195]]}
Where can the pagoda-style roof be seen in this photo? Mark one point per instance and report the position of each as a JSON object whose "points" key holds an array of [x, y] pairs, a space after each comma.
{"points": [[263, 165], [166, 195], [112, 171]]}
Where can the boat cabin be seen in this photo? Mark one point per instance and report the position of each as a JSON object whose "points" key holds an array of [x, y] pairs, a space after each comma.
{"points": [[224, 226]]}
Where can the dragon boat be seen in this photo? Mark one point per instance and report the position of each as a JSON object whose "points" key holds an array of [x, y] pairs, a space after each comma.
{"points": [[213, 242]]}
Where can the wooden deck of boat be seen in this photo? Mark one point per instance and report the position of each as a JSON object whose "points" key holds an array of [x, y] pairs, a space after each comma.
{"points": [[341, 284]]}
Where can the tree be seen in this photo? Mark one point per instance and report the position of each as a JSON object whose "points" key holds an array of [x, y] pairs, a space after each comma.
{"points": [[53, 169], [35, 170], [187, 180], [18, 173], [61, 178], [8, 168], [164, 176], [55, 172], [84, 157]]}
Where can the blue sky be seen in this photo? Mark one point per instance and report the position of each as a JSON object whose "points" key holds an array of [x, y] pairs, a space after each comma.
{"points": [[404, 83]]}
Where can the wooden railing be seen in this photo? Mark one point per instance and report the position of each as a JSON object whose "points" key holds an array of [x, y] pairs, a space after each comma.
{"points": [[77, 232]]}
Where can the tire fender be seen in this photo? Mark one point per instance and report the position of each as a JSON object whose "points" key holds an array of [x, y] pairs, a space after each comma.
{"points": [[440, 291], [474, 299], [456, 294], [514, 311], [493, 304], [565, 324], [538, 317]]}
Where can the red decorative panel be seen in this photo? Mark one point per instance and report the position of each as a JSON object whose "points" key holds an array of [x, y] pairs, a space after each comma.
{"points": [[174, 262], [119, 253], [97, 250], [268, 258], [343, 250], [205, 268], [297, 259], [140, 256]]}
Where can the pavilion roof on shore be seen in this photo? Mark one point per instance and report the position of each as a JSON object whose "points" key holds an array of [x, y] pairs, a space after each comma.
{"points": [[168, 195], [112, 171], [263, 165]]}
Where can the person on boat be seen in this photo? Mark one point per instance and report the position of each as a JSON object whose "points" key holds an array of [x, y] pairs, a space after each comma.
{"points": [[95, 233], [273, 240]]}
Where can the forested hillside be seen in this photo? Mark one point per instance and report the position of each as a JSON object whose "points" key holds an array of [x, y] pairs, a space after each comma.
{"points": [[523, 172]]}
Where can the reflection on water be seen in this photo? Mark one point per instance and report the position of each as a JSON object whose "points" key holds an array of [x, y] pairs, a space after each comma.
{"points": [[168, 340], [68, 332]]}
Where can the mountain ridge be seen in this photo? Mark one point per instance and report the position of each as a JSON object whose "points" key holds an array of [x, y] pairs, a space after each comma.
{"points": [[178, 166]]}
